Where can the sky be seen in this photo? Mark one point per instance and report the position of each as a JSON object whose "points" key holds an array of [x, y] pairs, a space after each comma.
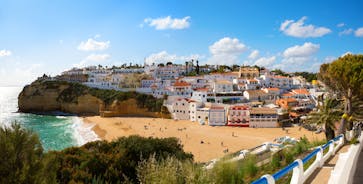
{"points": [[40, 36]]}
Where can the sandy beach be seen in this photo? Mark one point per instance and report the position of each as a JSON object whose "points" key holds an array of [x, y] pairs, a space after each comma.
{"points": [[203, 141]]}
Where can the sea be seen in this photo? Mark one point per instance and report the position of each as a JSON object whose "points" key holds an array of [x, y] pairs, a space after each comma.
{"points": [[55, 132]]}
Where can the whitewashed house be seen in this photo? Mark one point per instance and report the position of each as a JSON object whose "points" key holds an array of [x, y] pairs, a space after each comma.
{"points": [[202, 115], [180, 108], [200, 94], [193, 106], [181, 88], [222, 86], [255, 95]]}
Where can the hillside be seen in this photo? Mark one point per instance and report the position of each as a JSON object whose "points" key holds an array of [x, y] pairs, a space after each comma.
{"points": [[51, 96]]}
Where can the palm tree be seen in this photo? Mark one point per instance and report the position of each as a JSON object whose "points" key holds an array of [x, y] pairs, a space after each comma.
{"points": [[327, 114]]}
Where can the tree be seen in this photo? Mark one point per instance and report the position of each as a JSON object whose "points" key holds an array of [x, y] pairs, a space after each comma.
{"points": [[327, 114], [344, 76], [21, 155]]}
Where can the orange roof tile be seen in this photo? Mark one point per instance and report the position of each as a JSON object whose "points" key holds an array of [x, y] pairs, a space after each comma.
{"points": [[181, 83], [301, 91], [239, 107], [287, 94], [201, 89], [280, 77], [273, 89]]}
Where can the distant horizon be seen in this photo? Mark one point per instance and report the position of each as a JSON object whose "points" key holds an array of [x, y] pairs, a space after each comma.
{"points": [[38, 36]]}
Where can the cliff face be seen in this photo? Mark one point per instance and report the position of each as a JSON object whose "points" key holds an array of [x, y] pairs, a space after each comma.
{"points": [[44, 97]]}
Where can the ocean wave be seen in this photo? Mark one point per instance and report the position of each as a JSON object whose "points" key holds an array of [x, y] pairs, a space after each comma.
{"points": [[61, 117], [83, 132]]}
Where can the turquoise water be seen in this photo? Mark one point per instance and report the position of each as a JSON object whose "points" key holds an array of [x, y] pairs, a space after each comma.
{"points": [[55, 132]]}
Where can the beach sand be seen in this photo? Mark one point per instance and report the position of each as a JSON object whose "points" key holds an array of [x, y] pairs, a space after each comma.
{"points": [[203, 141]]}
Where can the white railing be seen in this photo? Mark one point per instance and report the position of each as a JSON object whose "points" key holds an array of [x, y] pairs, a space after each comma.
{"points": [[346, 165], [299, 176]]}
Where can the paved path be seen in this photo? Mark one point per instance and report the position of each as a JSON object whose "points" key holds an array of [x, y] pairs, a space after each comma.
{"points": [[358, 175], [322, 175]]}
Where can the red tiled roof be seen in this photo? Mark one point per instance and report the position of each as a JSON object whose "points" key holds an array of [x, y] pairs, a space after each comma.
{"points": [[201, 89], [239, 107], [280, 77], [273, 89], [301, 91], [181, 83], [287, 94]]}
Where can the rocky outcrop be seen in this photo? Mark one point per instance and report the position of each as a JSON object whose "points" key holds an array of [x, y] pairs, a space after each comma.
{"points": [[50, 96]]}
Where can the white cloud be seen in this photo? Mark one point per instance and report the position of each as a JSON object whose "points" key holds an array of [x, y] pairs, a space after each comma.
{"points": [[92, 59], [346, 53], [254, 54], [341, 25], [226, 51], [346, 32], [265, 61], [18, 73], [5, 53], [164, 57], [93, 45], [97, 57], [329, 59], [359, 32], [300, 58], [163, 23], [298, 29], [301, 51]]}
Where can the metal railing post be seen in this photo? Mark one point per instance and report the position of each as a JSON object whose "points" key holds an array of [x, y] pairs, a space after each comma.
{"points": [[269, 178], [298, 173]]}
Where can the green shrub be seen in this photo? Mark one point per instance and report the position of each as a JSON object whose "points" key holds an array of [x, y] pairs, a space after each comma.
{"points": [[21, 155], [116, 161]]}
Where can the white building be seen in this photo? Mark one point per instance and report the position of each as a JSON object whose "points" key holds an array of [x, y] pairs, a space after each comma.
{"points": [[146, 83], [193, 106], [222, 86], [255, 95], [181, 88], [273, 94], [217, 116], [263, 117], [202, 115], [168, 72], [180, 108], [200, 94], [238, 115], [277, 81]]}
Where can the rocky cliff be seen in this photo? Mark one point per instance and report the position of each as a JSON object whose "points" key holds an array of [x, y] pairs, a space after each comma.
{"points": [[51, 96]]}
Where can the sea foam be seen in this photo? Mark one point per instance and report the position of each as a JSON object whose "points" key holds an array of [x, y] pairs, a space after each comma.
{"points": [[83, 132]]}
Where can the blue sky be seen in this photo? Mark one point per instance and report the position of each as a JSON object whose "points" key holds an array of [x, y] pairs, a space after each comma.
{"points": [[41, 36]]}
